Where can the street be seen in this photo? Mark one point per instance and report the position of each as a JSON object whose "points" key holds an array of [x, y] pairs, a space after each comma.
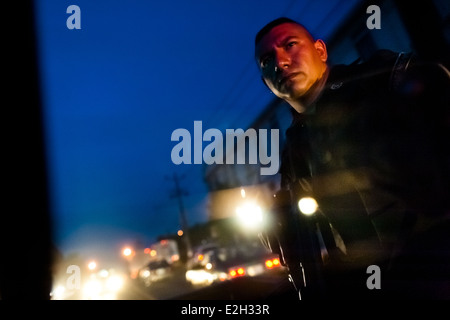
{"points": [[271, 285]]}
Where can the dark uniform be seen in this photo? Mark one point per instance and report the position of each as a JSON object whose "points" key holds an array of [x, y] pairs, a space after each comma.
{"points": [[373, 150]]}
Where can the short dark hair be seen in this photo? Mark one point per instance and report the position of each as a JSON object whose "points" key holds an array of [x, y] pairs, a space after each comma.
{"points": [[266, 29]]}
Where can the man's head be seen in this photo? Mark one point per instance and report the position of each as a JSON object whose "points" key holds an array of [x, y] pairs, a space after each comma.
{"points": [[291, 62]]}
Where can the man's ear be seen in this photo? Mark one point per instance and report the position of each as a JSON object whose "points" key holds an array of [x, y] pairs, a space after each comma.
{"points": [[321, 49]]}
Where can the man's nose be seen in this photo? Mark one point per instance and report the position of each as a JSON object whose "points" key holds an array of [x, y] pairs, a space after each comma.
{"points": [[282, 60]]}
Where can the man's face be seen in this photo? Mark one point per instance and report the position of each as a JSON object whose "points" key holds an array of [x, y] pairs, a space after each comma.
{"points": [[290, 61]]}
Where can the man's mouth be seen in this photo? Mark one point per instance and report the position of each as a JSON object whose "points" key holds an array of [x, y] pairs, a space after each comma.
{"points": [[284, 78]]}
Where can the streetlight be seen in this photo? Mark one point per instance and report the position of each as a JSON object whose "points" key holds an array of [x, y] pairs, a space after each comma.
{"points": [[127, 252], [92, 265]]}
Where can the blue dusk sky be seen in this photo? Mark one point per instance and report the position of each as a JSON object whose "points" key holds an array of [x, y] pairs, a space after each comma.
{"points": [[115, 90]]}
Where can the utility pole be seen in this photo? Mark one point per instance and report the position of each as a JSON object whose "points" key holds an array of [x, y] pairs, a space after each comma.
{"points": [[179, 193]]}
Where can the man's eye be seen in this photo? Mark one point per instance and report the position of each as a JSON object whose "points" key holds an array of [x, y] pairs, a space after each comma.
{"points": [[264, 63], [291, 44]]}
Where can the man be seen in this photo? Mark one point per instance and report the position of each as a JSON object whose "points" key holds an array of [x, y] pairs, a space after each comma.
{"points": [[370, 142]]}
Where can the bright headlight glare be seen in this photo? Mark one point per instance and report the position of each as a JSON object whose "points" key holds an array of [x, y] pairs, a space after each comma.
{"points": [[250, 215], [58, 292], [92, 289], [307, 205], [114, 283]]}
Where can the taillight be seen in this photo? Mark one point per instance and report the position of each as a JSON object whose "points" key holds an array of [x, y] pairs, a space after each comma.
{"points": [[237, 272], [271, 263]]}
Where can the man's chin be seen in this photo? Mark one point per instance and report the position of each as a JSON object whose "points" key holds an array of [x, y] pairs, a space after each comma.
{"points": [[293, 95], [295, 87]]}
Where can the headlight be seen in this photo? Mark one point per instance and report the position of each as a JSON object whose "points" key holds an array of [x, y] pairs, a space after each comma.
{"points": [[250, 215], [58, 293], [308, 205], [145, 273], [114, 283], [92, 289]]}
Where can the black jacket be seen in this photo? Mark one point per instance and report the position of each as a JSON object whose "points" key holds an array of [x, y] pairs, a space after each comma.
{"points": [[373, 149]]}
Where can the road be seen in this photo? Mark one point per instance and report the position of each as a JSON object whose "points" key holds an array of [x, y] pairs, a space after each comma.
{"points": [[271, 285]]}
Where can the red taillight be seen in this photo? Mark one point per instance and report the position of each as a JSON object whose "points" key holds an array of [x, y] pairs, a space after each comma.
{"points": [[271, 263], [237, 272]]}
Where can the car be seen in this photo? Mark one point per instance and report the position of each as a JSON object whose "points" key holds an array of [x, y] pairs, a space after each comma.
{"points": [[155, 271], [200, 275], [255, 267], [202, 255], [220, 270]]}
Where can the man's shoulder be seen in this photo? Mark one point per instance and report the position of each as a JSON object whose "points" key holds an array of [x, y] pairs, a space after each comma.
{"points": [[387, 62], [382, 59], [381, 62]]}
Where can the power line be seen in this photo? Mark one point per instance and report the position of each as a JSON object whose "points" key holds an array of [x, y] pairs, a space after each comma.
{"points": [[179, 193]]}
